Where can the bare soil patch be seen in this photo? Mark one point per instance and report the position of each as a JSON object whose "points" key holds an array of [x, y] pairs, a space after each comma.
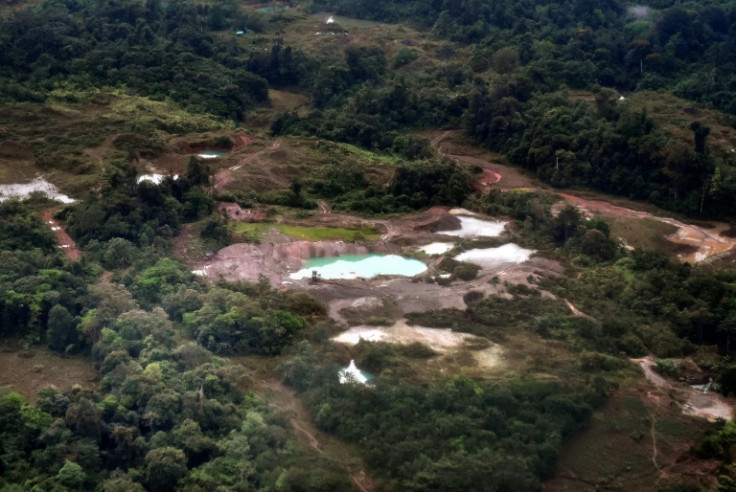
{"points": [[449, 145], [233, 211], [66, 243], [696, 243], [451, 345], [248, 262], [693, 401], [260, 175], [285, 101], [28, 371]]}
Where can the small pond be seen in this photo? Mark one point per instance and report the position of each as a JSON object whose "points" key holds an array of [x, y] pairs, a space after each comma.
{"points": [[212, 154], [154, 178], [472, 227], [491, 257], [353, 374], [357, 266]]}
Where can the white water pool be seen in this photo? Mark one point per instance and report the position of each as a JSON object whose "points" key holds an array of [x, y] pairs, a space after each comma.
{"points": [[436, 248], [212, 154], [154, 178], [491, 257], [353, 374], [473, 227], [23, 190]]}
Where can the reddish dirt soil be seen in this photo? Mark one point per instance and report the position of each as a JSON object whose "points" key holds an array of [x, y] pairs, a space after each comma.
{"points": [[700, 243], [705, 242], [466, 155], [234, 212], [66, 243], [241, 140]]}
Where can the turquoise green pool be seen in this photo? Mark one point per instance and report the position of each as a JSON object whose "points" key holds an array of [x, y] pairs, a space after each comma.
{"points": [[357, 266]]}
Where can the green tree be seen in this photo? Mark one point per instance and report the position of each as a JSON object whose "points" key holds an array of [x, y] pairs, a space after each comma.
{"points": [[71, 475], [62, 328], [164, 467]]}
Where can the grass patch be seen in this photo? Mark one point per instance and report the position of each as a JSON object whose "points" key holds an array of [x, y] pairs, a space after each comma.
{"points": [[28, 370], [644, 233], [256, 232], [676, 428], [676, 115], [146, 114]]}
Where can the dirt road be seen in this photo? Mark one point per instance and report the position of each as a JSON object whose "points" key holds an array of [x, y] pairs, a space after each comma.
{"points": [[66, 243], [707, 241]]}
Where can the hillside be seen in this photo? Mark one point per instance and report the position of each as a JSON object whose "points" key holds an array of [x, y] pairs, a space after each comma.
{"points": [[367, 245]]}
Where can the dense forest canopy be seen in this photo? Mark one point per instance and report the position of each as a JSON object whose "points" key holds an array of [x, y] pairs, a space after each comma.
{"points": [[518, 53]]}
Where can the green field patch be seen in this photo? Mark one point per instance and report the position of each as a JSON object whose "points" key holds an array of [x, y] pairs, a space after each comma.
{"points": [[256, 232], [677, 428], [647, 233]]}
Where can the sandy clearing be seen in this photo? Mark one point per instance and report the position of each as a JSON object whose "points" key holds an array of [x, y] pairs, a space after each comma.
{"points": [[442, 340]]}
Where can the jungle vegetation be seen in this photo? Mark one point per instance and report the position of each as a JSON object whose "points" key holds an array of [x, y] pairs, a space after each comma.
{"points": [[173, 413]]}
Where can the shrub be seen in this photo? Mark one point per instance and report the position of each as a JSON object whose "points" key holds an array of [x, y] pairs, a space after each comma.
{"points": [[667, 367], [466, 272]]}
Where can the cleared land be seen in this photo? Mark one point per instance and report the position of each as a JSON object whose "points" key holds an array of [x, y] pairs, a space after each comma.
{"points": [[30, 370]]}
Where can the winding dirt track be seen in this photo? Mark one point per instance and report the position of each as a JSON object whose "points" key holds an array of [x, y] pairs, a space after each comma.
{"points": [[707, 242], [489, 175]]}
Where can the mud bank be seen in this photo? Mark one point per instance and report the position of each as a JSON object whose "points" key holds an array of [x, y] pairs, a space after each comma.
{"points": [[248, 262]]}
